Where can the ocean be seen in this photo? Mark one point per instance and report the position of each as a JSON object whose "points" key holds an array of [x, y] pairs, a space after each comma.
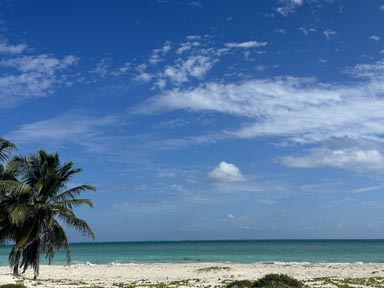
{"points": [[267, 251]]}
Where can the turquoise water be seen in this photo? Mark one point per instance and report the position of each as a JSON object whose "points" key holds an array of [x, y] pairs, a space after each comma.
{"points": [[222, 251]]}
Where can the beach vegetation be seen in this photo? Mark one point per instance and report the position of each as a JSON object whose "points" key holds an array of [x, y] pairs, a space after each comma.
{"points": [[240, 284], [124, 285], [12, 286], [346, 282], [35, 200], [278, 281], [268, 281], [78, 283], [213, 268]]}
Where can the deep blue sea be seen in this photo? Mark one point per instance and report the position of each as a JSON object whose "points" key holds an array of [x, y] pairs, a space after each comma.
{"points": [[336, 251]]}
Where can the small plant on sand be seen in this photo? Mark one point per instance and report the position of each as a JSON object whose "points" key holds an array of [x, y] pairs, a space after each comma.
{"points": [[240, 284], [278, 281], [269, 281], [125, 285], [159, 285], [213, 268], [12, 286]]}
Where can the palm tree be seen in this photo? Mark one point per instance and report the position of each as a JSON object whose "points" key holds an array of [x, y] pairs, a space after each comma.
{"points": [[12, 197], [44, 200], [14, 215], [5, 176]]}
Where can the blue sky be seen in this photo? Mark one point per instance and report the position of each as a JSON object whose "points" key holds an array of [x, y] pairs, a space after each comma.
{"points": [[205, 119]]}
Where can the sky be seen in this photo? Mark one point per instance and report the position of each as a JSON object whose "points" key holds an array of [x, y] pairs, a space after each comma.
{"points": [[204, 119]]}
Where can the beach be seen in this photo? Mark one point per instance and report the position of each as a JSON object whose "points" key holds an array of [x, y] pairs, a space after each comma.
{"points": [[193, 274]]}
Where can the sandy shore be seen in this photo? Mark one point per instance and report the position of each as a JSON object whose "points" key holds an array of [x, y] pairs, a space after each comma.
{"points": [[184, 275]]}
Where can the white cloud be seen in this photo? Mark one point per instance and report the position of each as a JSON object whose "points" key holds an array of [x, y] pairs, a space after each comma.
{"points": [[40, 63], [231, 216], [329, 34], [351, 159], [102, 67], [31, 76], [226, 172], [288, 6], [176, 64], [195, 4], [122, 69], [249, 44], [193, 37], [306, 31], [158, 54], [69, 127], [367, 189], [142, 75], [381, 8], [369, 71], [6, 48], [189, 60], [192, 67], [298, 109], [374, 38], [187, 46]]}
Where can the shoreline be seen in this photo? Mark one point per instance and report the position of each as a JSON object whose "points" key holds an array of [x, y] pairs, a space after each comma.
{"points": [[133, 263], [194, 274]]}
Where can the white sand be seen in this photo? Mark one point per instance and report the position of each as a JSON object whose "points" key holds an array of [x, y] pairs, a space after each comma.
{"points": [[204, 273]]}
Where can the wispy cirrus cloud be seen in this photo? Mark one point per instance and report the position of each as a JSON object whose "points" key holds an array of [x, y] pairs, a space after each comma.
{"points": [[40, 63], [246, 45], [374, 38], [175, 64], [329, 34], [71, 127], [350, 159], [287, 7], [369, 71], [158, 54], [24, 76], [102, 67], [193, 67], [300, 110], [6, 48], [306, 30]]}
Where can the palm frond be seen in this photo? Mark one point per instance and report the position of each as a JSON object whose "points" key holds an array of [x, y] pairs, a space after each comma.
{"points": [[73, 192], [53, 239], [18, 214], [5, 148], [14, 256], [72, 203], [30, 231], [15, 188], [69, 218], [31, 256]]}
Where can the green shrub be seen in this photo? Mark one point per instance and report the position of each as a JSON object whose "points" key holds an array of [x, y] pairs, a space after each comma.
{"points": [[268, 281], [12, 286], [240, 284], [277, 281]]}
